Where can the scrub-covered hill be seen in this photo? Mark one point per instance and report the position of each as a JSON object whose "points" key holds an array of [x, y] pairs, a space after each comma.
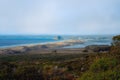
{"points": [[92, 66]]}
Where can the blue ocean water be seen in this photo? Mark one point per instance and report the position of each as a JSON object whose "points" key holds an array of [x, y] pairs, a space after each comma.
{"points": [[93, 40], [19, 40]]}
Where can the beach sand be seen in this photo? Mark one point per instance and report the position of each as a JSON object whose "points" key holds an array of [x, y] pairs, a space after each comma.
{"points": [[54, 47]]}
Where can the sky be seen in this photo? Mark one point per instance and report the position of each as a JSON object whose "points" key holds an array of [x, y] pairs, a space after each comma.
{"points": [[69, 17]]}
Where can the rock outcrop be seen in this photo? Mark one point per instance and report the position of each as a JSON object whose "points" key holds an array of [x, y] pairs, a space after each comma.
{"points": [[97, 48]]}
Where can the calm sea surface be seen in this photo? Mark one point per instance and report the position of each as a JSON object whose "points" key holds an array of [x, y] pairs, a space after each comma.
{"points": [[19, 40]]}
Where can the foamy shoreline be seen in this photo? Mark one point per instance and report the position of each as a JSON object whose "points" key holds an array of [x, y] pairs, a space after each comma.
{"points": [[50, 45]]}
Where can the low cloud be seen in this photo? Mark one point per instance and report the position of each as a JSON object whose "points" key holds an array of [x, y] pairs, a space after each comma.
{"points": [[59, 17]]}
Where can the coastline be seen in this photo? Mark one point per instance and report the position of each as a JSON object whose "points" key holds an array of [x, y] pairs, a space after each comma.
{"points": [[55, 47], [39, 47]]}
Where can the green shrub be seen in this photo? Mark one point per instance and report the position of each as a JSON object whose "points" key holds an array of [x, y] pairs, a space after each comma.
{"points": [[116, 40], [87, 76], [103, 64], [115, 48], [112, 75], [108, 75], [105, 68]]}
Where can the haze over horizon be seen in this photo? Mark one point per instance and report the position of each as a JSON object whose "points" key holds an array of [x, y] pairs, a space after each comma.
{"points": [[78, 17]]}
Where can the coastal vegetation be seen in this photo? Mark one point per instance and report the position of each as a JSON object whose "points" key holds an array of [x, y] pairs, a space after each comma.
{"points": [[107, 66], [92, 66]]}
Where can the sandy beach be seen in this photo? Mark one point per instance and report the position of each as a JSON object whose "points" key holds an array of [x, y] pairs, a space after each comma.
{"points": [[55, 48], [44, 48]]}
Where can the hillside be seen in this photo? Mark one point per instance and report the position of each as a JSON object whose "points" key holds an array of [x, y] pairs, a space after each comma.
{"points": [[92, 66]]}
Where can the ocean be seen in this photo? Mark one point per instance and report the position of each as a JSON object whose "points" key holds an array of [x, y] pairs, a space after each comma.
{"points": [[21, 40]]}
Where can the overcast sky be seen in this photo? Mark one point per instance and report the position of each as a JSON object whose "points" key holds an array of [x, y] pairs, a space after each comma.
{"points": [[60, 17]]}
